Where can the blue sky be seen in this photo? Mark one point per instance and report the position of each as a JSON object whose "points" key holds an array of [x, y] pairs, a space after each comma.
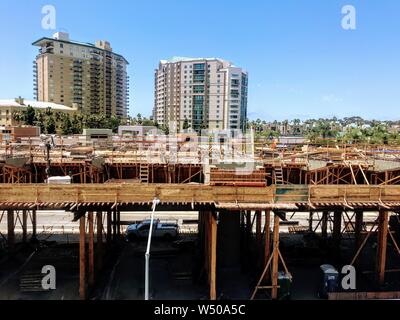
{"points": [[301, 62]]}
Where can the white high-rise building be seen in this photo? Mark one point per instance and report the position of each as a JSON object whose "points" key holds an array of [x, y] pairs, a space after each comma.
{"points": [[202, 93]]}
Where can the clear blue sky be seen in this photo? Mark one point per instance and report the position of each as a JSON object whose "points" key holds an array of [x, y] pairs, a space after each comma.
{"points": [[301, 62]]}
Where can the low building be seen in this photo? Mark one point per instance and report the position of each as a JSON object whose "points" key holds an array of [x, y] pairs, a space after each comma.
{"points": [[9, 106], [15, 133], [98, 134], [136, 131]]}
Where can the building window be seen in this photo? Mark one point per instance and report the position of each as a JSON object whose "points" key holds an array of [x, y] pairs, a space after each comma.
{"points": [[198, 89], [199, 66]]}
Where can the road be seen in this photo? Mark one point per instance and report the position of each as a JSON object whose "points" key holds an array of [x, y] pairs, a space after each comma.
{"points": [[61, 222]]}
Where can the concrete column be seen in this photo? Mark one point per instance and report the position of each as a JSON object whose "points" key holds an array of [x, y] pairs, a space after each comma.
{"points": [[229, 239]]}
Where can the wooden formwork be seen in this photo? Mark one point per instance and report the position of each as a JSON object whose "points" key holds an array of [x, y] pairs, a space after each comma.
{"points": [[239, 197], [245, 177]]}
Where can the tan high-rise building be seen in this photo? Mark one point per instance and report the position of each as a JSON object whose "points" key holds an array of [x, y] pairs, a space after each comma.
{"points": [[204, 93], [91, 77]]}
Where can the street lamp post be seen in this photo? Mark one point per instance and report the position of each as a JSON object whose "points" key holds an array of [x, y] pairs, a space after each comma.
{"points": [[147, 254]]}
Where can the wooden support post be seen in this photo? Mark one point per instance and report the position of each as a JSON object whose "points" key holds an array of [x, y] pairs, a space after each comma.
{"points": [[358, 228], [258, 227], [324, 224], [258, 238], [91, 249], [99, 243], [10, 230], [82, 258], [24, 225], [248, 222], [337, 227], [207, 243], [213, 256], [248, 228], [275, 258], [382, 245], [34, 225], [109, 226], [267, 240], [242, 238], [242, 227], [119, 223], [114, 224], [200, 234], [310, 221]]}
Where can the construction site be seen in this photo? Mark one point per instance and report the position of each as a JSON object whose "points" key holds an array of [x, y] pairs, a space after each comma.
{"points": [[256, 221]]}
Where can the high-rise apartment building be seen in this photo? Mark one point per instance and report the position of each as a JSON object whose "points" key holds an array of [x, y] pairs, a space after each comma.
{"points": [[91, 77], [204, 93]]}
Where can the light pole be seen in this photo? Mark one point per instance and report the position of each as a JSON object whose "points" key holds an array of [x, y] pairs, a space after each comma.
{"points": [[147, 254]]}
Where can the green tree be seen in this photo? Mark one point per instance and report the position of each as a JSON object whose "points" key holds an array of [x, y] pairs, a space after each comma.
{"points": [[39, 121], [18, 117], [50, 125], [148, 122], [77, 123], [29, 116], [165, 129], [113, 123], [66, 125], [139, 118], [186, 125]]}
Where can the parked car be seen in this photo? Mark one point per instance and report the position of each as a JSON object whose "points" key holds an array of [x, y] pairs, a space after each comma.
{"points": [[165, 230]]}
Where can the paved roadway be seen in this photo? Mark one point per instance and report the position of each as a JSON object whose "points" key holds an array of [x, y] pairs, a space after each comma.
{"points": [[62, 222]]}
